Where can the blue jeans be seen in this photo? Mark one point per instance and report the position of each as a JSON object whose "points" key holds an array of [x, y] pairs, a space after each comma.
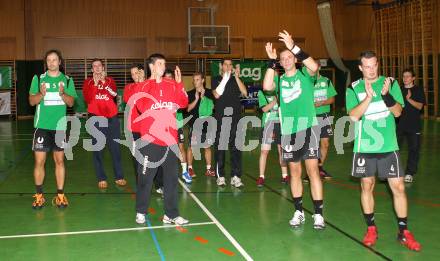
{"points": [[111, 133]]}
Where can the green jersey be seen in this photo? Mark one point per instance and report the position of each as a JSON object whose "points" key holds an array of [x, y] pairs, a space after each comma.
{"points": [[264, 98], [179, 118], [323, 90], [375, 132], [297, 110], [51, 111]]}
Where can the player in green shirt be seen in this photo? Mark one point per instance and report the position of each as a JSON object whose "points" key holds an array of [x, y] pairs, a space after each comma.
{"points": [[373, 102], [270, 133], [51, 93], [324, 95], [297, 114]]}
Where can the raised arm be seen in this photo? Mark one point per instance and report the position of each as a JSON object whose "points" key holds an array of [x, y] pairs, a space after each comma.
{"points": [[270, 72], [240, 84], [308, 61]]}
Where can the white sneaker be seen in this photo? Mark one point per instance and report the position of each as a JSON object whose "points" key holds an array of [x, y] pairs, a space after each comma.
{"points": [[297, 219], [408, 178], [159, 191], [319, 221], [140, 218], [178, 220], [221, 181], [236, 182]]}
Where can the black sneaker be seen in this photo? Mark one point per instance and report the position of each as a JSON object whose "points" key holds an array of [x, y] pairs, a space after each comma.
{"points": [[324, 174]]}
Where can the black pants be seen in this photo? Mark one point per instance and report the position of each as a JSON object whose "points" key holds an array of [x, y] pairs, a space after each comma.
{"points": [[413, 140], [156, 156], [158, 180], [220, 144]]}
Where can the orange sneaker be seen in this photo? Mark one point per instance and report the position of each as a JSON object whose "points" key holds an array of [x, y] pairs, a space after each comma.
{"points": [[39, 201], [61, 201]]}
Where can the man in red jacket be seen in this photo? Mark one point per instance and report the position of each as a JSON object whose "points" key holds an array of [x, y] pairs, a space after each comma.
{"points": [[100, 96], [162, 97]]}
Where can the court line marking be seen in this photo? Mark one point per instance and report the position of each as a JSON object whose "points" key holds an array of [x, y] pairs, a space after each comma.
{"points": [[328, 223], [217, 223], [103, 231], [156, 242]]}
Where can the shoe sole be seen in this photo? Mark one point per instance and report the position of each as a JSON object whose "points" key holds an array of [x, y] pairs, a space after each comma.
{"points": [[296, 226], [372, 244], [318, 227], [369, 245], [172, 223], [412, 249]]}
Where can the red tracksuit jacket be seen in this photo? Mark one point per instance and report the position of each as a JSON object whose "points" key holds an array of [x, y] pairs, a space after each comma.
{"points": [[100, 99], [157, 109], [129, 91]]}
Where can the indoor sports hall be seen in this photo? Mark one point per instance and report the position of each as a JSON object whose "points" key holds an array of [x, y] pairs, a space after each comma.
{"points": [[97, 164]]}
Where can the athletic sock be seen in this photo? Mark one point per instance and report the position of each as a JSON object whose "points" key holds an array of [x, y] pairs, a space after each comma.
{"points": [[403, 224], [298, 203], [319, 205], [369, 219], [60, 191], [39, 189], [208, 167]]}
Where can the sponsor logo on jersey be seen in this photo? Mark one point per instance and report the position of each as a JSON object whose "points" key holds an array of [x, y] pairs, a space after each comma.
{"points": [[162, 105], [102, 97]]}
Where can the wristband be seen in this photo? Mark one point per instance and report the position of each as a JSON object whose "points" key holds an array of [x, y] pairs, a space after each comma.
{"points": [[272, 64], [299, 53], [388, 100]]}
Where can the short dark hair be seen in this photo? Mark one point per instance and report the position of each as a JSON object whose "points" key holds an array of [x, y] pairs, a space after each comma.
{"points": [[154, 57], [366, 54], [137, 66], [97, 60], [55, 51], [226, 59], [199, 73], [410, 70]]}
